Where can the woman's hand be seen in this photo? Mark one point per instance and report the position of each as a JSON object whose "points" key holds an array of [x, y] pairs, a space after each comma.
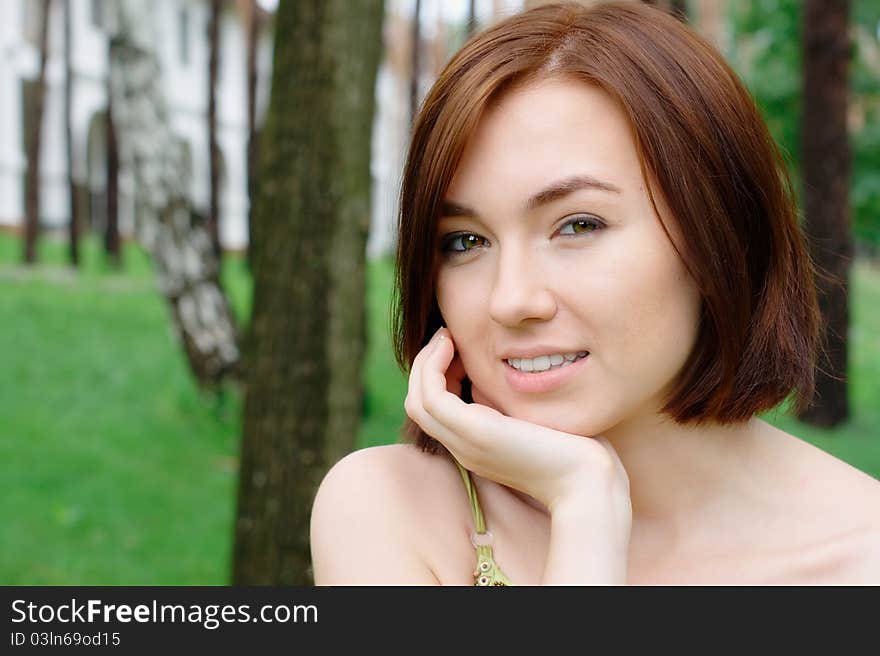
{"points": [[581, 475]]}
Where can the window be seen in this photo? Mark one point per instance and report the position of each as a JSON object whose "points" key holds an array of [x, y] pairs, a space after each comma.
{"points": [[183, 35], [30, 16], [98, 13]]}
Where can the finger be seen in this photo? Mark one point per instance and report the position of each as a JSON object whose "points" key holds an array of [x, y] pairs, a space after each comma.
{"points": [[415, 403], [441, 372], [438, 400], [463, 425], [414, 383]]}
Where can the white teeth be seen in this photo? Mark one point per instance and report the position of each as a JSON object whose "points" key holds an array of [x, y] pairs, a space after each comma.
{"points": [[541, 363], [545, 362]]}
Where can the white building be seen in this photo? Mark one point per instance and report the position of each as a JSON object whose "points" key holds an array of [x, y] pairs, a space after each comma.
{"points": [[181, 27]]}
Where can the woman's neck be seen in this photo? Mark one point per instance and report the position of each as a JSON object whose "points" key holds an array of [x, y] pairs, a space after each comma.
{"points": [[678, 472]]}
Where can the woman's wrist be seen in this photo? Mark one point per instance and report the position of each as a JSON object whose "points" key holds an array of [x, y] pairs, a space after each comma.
{"points": [[603, 521], [589, 543], [585, 552]]}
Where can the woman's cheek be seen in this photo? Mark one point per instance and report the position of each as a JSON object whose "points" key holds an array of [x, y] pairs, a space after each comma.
{"points": [[478, 397]]}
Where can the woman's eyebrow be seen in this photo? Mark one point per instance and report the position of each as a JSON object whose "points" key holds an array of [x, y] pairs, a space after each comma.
{"points": [[451, 208], [552, 192], [566, 186]]}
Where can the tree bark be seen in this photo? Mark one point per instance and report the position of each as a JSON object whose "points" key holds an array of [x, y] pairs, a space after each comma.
{"points": [[826, 163], [32, 177], [252, 41], [181, 248], [73, 223], [310, 227], [213, 148], [112, 242]]}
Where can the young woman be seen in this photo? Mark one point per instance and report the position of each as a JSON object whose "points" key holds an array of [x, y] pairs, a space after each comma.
{"points": [[600, 282]]}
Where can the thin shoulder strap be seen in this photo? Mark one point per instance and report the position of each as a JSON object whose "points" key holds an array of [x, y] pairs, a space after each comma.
{"points": [[487, 572]]}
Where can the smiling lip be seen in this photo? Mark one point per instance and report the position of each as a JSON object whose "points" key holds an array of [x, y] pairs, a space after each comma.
{"points": [[540, 349], [543, 381]]}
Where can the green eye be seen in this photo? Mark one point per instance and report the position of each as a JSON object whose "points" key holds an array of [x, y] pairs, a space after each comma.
{"points": [[581, 226], [461, 242]]}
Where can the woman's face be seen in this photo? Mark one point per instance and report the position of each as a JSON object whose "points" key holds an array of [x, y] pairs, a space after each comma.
{"points": [[550, 246]]}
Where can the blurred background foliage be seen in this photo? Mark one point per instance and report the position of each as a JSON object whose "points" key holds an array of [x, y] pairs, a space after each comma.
{"points": [[765, 49]]}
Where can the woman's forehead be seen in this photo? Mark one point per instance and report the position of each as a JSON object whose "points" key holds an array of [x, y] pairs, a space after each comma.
{"points": [[547, 131]]}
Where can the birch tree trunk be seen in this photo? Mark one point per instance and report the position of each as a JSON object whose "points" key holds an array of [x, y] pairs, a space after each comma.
{"points": [[181, 249], [73, 225], [415, 58], [112, 242], [32, 176], [213, 148], [303, 403]]}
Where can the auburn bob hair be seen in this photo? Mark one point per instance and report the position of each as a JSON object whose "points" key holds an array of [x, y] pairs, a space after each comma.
{"points": [[701, 143]]}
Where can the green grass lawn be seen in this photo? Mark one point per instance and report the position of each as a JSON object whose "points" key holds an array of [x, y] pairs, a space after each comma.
{"points": [[116, 470]]}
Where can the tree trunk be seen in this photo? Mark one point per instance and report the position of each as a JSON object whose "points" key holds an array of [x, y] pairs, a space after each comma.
{"points": [[32, 179], [311, 216], [472, 17], [213, 148], [68, 136], [181, 248], [825, 165], [416, 64], [252, 41], [112, 245]]}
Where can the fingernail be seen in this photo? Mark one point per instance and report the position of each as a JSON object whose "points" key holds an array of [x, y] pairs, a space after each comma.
{"points": [[437, 338]]}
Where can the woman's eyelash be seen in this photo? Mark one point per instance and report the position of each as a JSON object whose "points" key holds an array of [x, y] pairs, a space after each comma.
{"points": [[588, 223]]}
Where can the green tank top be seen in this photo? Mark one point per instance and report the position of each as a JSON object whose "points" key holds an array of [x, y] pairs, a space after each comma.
{"points": [[487, 571]]}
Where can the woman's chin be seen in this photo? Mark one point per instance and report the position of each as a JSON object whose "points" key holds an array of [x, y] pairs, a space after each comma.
{"points": [[573, 426], [563, 420]]}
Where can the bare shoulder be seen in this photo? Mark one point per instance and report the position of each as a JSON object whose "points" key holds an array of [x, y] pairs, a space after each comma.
{"points": [[821, 478], [365, 523], [863, 565], [857, 497], [400, 471], [841, 505]]}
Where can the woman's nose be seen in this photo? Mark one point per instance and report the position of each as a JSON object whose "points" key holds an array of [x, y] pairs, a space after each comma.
{"points": [[520, 291]]}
